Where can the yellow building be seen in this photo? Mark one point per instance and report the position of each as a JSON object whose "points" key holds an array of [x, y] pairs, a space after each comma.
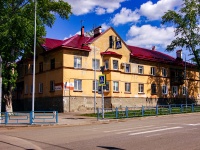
{"points": [[66, 71]]}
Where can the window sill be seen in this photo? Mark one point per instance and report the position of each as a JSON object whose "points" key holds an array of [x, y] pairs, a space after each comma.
{"points": [[77, 91], [127, 92], [141, 93]]}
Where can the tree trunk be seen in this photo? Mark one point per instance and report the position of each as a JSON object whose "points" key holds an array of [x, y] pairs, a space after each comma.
{"points": [[8, 102]]}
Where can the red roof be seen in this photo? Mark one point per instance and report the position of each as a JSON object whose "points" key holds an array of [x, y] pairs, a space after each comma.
{"points": [[76, 42], [110, 53], [81, 43]]}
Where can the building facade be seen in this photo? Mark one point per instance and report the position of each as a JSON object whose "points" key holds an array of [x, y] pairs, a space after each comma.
{"points": [[67, 74]]}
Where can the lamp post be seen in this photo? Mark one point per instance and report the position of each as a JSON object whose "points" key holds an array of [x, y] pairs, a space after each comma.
{"points": [[0, 86], [95, 79], [34, 51]]}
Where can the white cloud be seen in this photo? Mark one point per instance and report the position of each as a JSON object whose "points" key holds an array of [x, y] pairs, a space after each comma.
{"points": [[100, 11], [125, 15], [148, 36], [104, 26], [80, 7], [156, 11]]}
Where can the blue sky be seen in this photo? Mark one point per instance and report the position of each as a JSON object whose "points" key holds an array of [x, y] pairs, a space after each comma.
{"points": [[136, 21]]}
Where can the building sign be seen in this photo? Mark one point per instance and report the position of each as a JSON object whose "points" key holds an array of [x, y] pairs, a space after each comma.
{"points": [[118, 44], [58, 87]]}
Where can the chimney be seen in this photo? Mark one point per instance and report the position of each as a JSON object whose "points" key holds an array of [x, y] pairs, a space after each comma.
{"points": [[97, 31], [153, 48], [179, 54], [82, 31]]}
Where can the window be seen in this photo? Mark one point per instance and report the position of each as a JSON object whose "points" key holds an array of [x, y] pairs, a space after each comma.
{"points": [[115, 86], [77, 85], [153, 88], [140, 88], [184, 90], [41, 67], [128, 68], [97, 84], [52, 86], [40, 87], [77, 62], [26, 89], [164, 89], [164, 72], [115, 64], [153, 71], [174, 90], [127, 87], [140, 69], [106, 87], [53, 63], [95, 64], [106, 63]]}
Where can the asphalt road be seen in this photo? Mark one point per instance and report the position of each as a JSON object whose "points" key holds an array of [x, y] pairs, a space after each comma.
{"points": [[175, 132]]}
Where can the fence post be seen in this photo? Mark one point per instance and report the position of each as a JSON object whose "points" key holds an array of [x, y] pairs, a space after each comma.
{"points": [[126, 112], [116, 112], [181, 108], [156, 109], [192, 107], [142, 110], [170, 110], [97, 113], [30, 118], [56, 116], [6, 117]]}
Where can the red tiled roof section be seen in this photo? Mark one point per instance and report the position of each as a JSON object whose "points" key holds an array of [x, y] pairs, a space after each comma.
{"points": [[110, 53], [146, 54], [76, 42]]}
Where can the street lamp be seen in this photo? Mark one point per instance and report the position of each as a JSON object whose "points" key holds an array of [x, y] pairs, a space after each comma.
{"points": [[0, 86]]}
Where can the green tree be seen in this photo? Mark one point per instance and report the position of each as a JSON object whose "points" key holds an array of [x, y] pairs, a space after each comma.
{"points": [[17, 34], [187, 28]]}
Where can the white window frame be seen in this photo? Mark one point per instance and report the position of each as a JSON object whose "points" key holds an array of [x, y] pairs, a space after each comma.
{"points": [[175, 90], [153, 71], [184, 90], [77, 85], [106, 64], [95, 64], [164, 72], [128, 68], [164, 89], [97, 85], [114, 65], [116, 86], [140, 69], [77, 62], [140, 88], [127, 87], [40, 87]]}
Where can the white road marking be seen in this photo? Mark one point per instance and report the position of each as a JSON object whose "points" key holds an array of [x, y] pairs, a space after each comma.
{"points": [[140, 130], [151, 131], [197, 124], [127, 129]]}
